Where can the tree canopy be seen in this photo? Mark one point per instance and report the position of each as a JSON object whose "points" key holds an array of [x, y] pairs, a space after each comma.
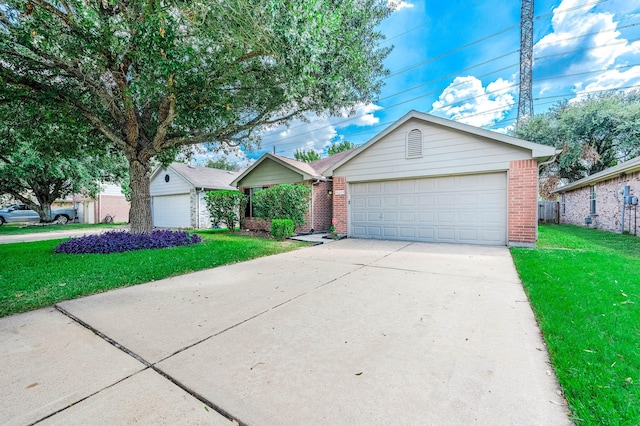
{"points": [[306, 156], [154, 76], [338, 147], [221, 163], [46, 153], [594, 133]]}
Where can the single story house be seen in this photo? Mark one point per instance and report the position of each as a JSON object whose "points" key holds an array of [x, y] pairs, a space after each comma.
{"points": [[177, 194], [110, 201], [423, 178], [600, 199]]}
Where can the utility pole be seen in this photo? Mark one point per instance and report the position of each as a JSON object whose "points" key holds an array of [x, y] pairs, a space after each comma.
{"points": [[525, 99]]}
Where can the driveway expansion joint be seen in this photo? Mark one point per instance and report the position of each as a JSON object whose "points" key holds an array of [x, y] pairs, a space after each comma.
{"points": [[104, 336], [147, 365]]}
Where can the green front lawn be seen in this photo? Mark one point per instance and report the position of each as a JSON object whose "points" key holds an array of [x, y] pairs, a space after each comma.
{"points": [[32, 276], [584, 286]]}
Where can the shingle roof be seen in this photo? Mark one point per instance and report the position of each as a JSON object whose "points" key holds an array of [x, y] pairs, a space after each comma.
{"points": [[206, 177], [300, 165], [323, 164]]}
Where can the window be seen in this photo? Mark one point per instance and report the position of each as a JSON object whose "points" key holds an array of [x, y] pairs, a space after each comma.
{"points": [[592, 200], [414, 144], [250, 192]]}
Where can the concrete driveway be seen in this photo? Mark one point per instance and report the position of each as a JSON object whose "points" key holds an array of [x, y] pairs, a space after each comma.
{"points": [[353, 332]]}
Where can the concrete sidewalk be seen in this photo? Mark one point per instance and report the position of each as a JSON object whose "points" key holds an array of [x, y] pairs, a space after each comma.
{"points": [[354, 332], [54, 235]]}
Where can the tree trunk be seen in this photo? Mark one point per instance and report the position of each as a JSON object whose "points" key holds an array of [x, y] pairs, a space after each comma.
{"points": [[45, 215], [140, 214]]}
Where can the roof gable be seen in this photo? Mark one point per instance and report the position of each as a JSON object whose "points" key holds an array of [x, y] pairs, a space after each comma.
{"points": [[202, 177], [541, 152], [305, 171]]}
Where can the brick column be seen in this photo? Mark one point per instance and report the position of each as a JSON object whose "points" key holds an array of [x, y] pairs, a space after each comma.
{"points": [[523, 203], [340, 204]]}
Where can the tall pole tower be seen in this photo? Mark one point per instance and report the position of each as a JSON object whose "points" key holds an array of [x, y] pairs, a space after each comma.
{"points": [[525, 99]]}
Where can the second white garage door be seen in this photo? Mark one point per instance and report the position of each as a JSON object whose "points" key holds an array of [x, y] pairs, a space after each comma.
{"points": [[469, 209], [172, 211]]}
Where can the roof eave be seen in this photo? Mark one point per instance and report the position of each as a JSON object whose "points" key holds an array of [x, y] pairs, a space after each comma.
{"points": [[598, 178]]}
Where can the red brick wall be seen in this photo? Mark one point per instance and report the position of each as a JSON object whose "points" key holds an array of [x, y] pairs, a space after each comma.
{"points": [[322, 206], [575, 205], [340, 204], [523, 202], [116, 206]]}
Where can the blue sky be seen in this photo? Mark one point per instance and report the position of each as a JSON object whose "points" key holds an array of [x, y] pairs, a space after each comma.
{"points": [[459, 59]]}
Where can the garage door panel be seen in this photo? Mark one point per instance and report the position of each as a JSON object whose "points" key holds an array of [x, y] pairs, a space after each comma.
{"points": [[426, 234], [408, 201], [390, 232], [390, 202], [465, 209], [446, 234], [426, 217], [390, 216], [407, 217], [408, 232], [468, 217]]}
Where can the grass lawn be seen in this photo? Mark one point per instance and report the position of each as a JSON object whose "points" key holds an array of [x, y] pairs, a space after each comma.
{"points": [[21, 228], [584, 286], [32, 276]]}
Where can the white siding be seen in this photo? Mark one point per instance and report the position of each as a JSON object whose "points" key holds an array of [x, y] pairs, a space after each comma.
{"points": [[445, 152], [176, 184], [270, 173]]}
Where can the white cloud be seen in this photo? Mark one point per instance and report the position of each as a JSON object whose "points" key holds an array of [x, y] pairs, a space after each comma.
{"points": [[233, 154], [317, 133], [610, 80], [399, 5], [582, 43], [467, 101]]}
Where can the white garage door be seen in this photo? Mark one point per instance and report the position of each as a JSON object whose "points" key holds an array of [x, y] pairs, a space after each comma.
{"points": [[470, 209], [172, 211]]}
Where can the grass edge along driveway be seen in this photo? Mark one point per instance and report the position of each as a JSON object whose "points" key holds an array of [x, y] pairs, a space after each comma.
{"points": [[584, 287], [32, 276]]}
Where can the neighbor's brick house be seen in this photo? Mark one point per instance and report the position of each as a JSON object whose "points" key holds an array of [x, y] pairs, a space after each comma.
{"points": [[423, 178], [599, 197]]}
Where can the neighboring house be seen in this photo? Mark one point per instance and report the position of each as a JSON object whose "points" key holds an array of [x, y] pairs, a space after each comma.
{"points": [[423, 178], [599, 199], [272, 170], [177, 194], [110, 202]]}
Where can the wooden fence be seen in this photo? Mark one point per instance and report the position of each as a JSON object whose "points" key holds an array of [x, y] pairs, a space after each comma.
{"points": [[548, 212]]}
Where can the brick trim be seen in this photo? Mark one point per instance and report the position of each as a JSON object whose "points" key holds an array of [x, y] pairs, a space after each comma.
{"points": [[340, 210], [522, 202]]}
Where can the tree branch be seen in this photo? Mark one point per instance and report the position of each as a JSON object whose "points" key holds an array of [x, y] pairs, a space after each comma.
{"points": [[67, 19]]}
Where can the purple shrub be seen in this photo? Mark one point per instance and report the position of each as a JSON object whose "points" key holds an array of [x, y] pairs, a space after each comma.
{"points": [[120, 241]]}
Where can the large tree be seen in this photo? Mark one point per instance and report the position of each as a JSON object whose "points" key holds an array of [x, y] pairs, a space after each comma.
{"points": [[48, 153], [153, 76], [594, 133]]}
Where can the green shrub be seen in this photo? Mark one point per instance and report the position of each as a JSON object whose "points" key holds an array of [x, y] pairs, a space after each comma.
{"points": [[226, 207], [282, 228], [283, 202]]}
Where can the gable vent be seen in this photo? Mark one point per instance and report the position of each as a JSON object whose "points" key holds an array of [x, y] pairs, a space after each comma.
{"points": [[414, 144]]}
